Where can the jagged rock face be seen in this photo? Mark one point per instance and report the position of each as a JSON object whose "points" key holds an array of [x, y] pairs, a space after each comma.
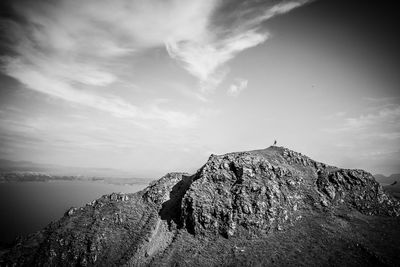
{"points": [[355, 188], [240, 190], [259, 191], [158, 191]]}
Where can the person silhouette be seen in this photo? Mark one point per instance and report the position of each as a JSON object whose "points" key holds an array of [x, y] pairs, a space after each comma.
{"points": [[275, 143]]}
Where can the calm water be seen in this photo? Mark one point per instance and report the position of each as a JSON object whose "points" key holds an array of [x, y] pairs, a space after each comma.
{"points": [[29, 206]]}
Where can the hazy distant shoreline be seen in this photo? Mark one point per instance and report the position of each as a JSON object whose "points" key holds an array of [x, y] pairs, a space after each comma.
{"points": [[19, 176]]}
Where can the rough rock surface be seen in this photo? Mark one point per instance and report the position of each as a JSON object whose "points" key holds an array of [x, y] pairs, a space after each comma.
{"points": [[264, 207], [259, 191]]}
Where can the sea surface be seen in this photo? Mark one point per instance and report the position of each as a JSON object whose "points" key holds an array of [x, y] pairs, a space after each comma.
{"points": [[26, 207]]}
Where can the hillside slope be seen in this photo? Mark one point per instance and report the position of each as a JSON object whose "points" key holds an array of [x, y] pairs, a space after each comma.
{"points": [[265, 207]]}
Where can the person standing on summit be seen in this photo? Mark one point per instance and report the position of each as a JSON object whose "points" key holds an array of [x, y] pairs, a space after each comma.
{"points": [[274, 143]]}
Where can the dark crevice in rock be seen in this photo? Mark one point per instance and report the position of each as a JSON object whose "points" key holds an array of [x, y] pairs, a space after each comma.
{"points": [[171, 209], [236, 170], [188, 221]]}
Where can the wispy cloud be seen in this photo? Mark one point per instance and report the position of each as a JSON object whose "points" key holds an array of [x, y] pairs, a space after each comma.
{"points": [[237, 87], [383, 123], [204, 60], [369, 139], [60, 88], [377, 127], [186, 92], [223, 39], [384, 119], [68, 49]]}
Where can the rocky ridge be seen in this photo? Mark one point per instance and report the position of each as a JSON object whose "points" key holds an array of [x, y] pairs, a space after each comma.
{"points": [[257, 192], [239, 197]]}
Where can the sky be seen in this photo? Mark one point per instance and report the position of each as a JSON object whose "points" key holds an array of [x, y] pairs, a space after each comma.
{"points": [[154, 86]]}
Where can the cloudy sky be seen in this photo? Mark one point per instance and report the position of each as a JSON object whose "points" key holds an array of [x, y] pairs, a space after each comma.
{"points": [[152, 86]]}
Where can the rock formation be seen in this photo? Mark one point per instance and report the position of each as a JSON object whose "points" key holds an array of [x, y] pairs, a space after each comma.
{"points": [[264, 207], [260, 191]]}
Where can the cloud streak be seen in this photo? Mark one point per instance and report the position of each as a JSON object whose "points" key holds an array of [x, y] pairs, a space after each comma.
{"points": [[204, 60], [388, 117], [68, 49], [236, 88], [222, 40], [54, 85], [381, 123]]}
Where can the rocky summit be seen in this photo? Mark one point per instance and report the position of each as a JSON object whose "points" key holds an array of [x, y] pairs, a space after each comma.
{"points": [[265, 207]]}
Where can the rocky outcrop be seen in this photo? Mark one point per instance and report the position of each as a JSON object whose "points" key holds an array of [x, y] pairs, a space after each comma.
{"points": [[158, 192], [260, 191], [355, 189], [263, 193]]}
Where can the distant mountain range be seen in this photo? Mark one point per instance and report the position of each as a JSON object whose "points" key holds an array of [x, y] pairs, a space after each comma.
{"points": [[391, 183], [387, 180], [59, 170], [26, 171]]}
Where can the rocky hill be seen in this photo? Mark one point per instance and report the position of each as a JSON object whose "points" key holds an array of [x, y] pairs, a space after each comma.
{"points": [[265, 207]]}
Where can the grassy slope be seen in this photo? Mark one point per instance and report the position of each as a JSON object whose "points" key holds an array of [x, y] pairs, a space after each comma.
{"points": [[107, 232], [341, 239]]}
